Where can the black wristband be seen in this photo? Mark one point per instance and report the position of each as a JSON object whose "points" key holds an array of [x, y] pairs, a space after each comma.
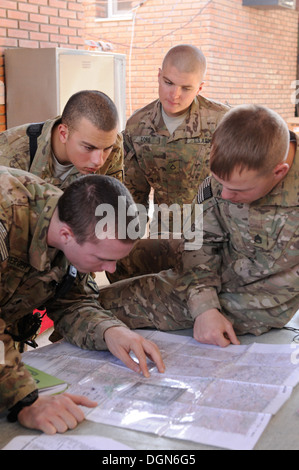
{"points": [[12, 417]]}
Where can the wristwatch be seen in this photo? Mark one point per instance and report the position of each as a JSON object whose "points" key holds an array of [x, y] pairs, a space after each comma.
{"points": [[12, 417]]}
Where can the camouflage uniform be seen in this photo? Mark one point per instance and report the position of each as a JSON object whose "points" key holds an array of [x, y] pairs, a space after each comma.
{"points": [[14, 153], [173, 165], [29, 273], [248, 267]]}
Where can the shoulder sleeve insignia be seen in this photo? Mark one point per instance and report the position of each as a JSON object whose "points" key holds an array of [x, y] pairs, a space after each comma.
{"points": [[3, 245], [205, 190]]}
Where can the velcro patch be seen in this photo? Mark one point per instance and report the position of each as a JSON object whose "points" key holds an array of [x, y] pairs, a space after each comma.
{"points": [[3, 246], [205, 190]]}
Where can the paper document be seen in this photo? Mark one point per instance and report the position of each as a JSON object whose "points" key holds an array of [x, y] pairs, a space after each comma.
{"points": [[223, 397], [64, 442]]}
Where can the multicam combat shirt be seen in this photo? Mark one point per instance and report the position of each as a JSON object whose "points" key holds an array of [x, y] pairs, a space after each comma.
{"points": [[173, 165], [29, 273], [248, 267]]}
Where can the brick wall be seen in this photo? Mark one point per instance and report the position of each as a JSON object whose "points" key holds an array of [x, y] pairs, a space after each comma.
{"points": [[251, 53], [37, 24]]}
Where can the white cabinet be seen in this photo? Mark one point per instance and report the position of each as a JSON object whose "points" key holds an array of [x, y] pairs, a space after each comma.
{"points": [[40, 81]]}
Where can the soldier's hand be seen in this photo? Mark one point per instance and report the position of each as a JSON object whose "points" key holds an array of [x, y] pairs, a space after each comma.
{"points": [[56, 413], [120, 341], [211, 327]]}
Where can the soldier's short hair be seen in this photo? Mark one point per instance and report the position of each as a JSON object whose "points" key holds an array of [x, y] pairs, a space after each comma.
{"points": [[88, 199], [249, 137], [186, 58], [93, 105]]}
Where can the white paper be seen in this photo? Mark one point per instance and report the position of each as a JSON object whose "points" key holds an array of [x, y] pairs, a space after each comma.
{"points": [[64, 442], [223, 397]]}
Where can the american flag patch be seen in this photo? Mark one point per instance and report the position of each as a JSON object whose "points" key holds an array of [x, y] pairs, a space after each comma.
{"points": [[205, 190], [3, 246]]}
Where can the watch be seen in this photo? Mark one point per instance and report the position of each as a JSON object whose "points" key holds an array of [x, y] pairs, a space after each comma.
{"points": [[27, 401]]}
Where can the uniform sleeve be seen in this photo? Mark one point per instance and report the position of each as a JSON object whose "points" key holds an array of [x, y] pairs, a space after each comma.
{"points": [[15, 380], [115, 166], [79, 316], [135, 179], [199, 270], [14, 148]]}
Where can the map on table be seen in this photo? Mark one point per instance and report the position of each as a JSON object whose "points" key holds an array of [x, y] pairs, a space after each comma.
{"points": [[223, 397]]}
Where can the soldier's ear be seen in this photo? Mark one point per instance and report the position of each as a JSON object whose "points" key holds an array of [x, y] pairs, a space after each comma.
{"points": [[66, 234], [63, 132], [281, 170], [200, 87]]}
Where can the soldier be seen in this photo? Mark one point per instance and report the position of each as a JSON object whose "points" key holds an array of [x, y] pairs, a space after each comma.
{"points": [[46, 235], [83, 140], [167, 146], [245, 278]]}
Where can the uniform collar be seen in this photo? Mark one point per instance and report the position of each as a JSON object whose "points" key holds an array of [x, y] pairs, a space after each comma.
{"points": [[191, 124], [286, 193]]}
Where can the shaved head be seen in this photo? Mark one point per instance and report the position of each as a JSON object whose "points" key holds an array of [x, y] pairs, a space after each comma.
{"points": [[186, 58]]}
